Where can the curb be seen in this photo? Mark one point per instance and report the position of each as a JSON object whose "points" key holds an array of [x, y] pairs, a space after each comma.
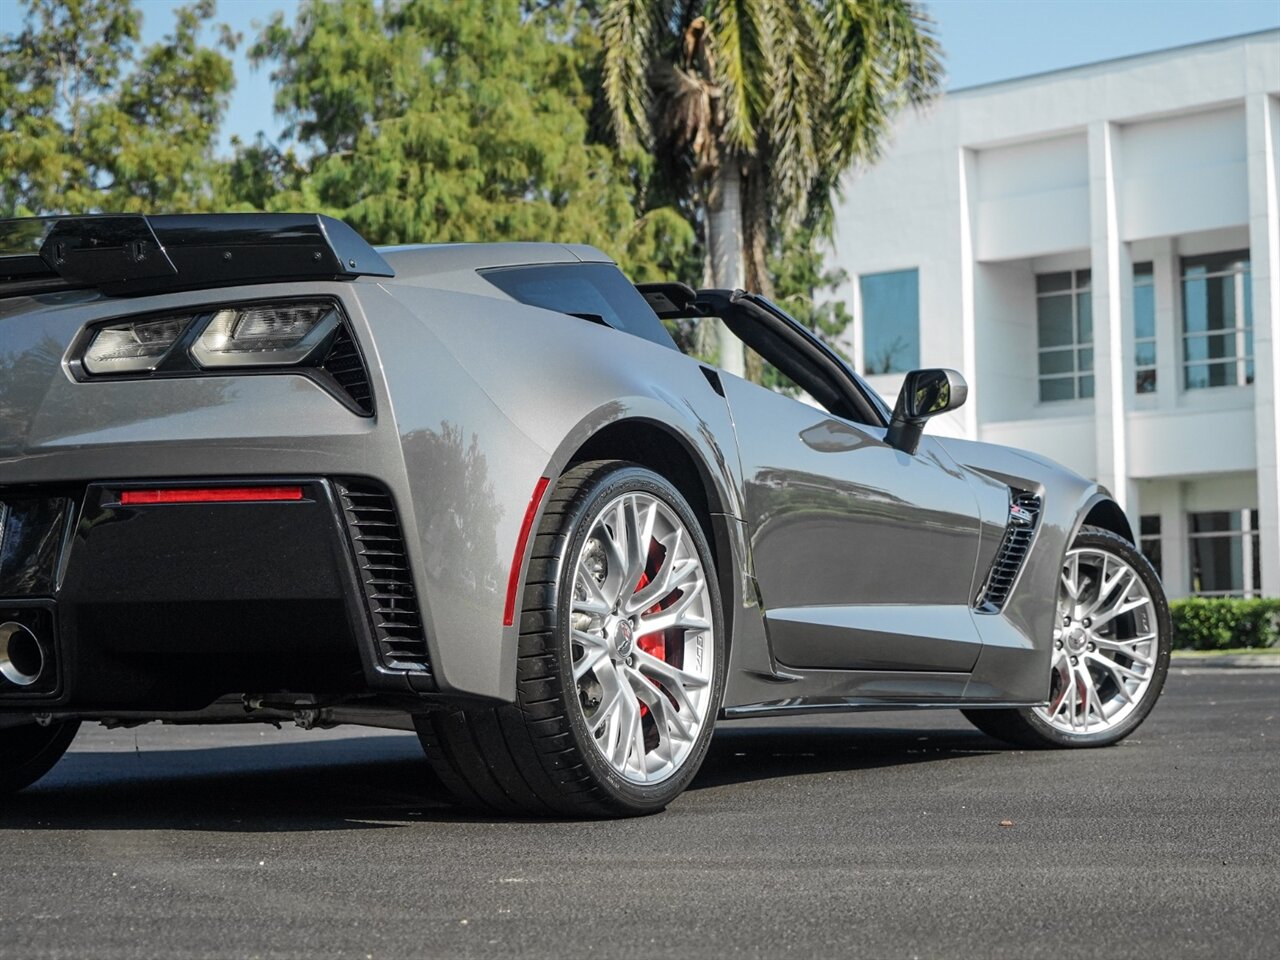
{"points": [[1253, 660]]}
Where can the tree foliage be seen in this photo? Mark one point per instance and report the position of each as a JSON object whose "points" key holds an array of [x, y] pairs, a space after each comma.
{"points": [[598, 121], [765, 104], [89, 121], [456, 120], [797, 91]]}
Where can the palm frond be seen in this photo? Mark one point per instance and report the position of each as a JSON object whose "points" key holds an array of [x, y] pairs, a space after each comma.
{"points": [[795, 72], [885, 57], [628, 32], [686, 120], [739, 39]]}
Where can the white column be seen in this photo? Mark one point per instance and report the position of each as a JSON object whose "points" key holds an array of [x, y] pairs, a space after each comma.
{"points": [[1174, 545], [1263, 146], [968, 319], [857, 329], [1166, 280], [1106, 253]]}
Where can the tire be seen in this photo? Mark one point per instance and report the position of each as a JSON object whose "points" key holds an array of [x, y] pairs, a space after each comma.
{"points": [[555, 751], [1117, 698], [28, 752]]}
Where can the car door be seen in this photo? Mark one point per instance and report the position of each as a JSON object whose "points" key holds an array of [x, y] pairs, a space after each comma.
{"points": [[864, 555]]}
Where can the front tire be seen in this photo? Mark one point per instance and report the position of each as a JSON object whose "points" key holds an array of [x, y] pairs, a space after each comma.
{"points": [[621, 660], [28, 752], [1112, 640]]}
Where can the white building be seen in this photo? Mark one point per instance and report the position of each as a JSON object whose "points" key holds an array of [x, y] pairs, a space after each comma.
{"points": [[1098, 250]]}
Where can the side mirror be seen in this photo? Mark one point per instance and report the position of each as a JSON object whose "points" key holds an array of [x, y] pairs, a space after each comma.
{"points": [[925, 394]]}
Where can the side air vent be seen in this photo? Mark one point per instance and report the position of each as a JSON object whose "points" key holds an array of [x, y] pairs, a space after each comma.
{"points": [[1024, 514], [378, 544], [344, 363]]}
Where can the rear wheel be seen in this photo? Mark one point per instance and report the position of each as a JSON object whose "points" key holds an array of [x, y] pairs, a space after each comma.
{"points": [[1111, 644], [28, 752], [621, 659]]}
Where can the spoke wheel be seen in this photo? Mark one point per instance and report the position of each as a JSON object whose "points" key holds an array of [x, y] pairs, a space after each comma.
{"points": [[621, 659], [1104, 644], [1109, 651], [643, 660]]}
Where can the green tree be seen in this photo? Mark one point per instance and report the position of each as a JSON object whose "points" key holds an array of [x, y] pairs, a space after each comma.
{"points": [[456, 120], [90, 122], [762, 105]]}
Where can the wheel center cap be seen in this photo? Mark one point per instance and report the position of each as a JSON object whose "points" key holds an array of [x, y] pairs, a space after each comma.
{"points": [[623, 637], [1076, 638]]}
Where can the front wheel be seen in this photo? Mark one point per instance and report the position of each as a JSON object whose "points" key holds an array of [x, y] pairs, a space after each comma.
{"points": [[621, 659], [1111, 642]]}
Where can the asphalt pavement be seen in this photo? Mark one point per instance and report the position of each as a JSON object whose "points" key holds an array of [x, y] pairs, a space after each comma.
{"points": [[866, 835]]}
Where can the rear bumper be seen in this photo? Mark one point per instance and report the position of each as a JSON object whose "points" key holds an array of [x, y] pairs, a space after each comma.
{"points": [[458, 466], [170, 606]]}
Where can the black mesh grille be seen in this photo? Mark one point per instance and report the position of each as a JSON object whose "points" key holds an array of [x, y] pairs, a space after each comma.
{"points": [[1024, 515], [378, 543], [344, 364]]}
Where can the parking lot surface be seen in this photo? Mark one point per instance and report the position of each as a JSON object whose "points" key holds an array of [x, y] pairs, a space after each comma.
{"points": [[864, 835]]}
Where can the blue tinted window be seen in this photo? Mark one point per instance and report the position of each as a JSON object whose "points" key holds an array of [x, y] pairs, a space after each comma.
{"points": [[1225, 553], [1217, 321], [1144, 328], [891, 321], [1064, 328]]}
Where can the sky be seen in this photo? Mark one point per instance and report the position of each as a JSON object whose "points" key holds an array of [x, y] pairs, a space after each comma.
{"points": [[984, 40]]}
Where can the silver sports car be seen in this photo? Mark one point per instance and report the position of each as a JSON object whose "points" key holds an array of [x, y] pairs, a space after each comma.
{"points": [[253, 469]]}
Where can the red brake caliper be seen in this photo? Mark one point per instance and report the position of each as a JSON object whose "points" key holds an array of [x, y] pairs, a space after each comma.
{"points": [[654, 644]]}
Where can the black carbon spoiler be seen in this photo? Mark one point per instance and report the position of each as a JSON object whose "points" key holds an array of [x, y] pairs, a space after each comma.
{"points": [[129, 254]]}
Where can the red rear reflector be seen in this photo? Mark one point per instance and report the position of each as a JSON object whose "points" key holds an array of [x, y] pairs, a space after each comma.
{"points": [[209, 495], [517, 561]]}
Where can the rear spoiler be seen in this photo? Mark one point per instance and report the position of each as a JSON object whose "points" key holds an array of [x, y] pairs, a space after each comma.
{"points": [[126, 255]]}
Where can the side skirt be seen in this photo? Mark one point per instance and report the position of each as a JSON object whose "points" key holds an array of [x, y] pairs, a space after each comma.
{"points": [[810, 705]]}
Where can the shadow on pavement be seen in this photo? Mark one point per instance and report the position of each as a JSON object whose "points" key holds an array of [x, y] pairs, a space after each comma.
{"points": [[379, 782], [745, 754]]}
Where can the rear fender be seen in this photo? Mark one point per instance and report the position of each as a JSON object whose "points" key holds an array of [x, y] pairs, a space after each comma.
{"points": [[480, 426]]}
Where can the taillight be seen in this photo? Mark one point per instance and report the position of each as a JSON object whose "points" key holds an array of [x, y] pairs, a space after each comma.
{"points": [[132, 347], [270, 335], [309, 337]]}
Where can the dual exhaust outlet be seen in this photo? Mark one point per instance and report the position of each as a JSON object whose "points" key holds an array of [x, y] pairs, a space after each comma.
{"points": [[22, 654]]}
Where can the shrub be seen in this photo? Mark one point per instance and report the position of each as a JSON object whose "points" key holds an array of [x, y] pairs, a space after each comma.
{"points": [[1220, 623]]}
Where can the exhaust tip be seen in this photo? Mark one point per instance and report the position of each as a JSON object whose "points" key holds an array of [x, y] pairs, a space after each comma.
{"points": [[21, 654]]}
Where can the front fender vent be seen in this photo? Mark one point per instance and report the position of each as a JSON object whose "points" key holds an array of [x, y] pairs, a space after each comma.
{"points": [[377, 541], [1024, 515]]}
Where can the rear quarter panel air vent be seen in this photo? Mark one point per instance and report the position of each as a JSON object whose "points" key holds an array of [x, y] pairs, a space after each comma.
{"points": [[1024, 517], [377, 542], [345, 365]]}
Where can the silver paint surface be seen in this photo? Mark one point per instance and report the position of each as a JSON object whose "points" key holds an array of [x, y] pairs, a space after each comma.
{"points": [[866, 559]]}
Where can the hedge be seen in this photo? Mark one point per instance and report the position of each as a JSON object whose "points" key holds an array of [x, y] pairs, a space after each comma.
{"points": [[1220, 623]]}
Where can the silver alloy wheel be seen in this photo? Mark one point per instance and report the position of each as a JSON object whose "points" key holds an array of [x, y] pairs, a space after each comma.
{"points": [[1105, 643], [642, 644]]}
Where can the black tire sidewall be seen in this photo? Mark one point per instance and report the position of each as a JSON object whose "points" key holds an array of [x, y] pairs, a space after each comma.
{"points": [[28, 752], [609, 483], [1098, 538]]}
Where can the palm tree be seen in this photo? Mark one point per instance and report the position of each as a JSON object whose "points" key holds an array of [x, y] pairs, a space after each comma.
{"points": [[762, 105]]}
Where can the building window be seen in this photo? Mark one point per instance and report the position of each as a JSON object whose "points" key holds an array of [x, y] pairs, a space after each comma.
{"points": [[1217, 321], [1064, 322], [1149, 540], [1225, 554], [890, 321], [1144, 330]]}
